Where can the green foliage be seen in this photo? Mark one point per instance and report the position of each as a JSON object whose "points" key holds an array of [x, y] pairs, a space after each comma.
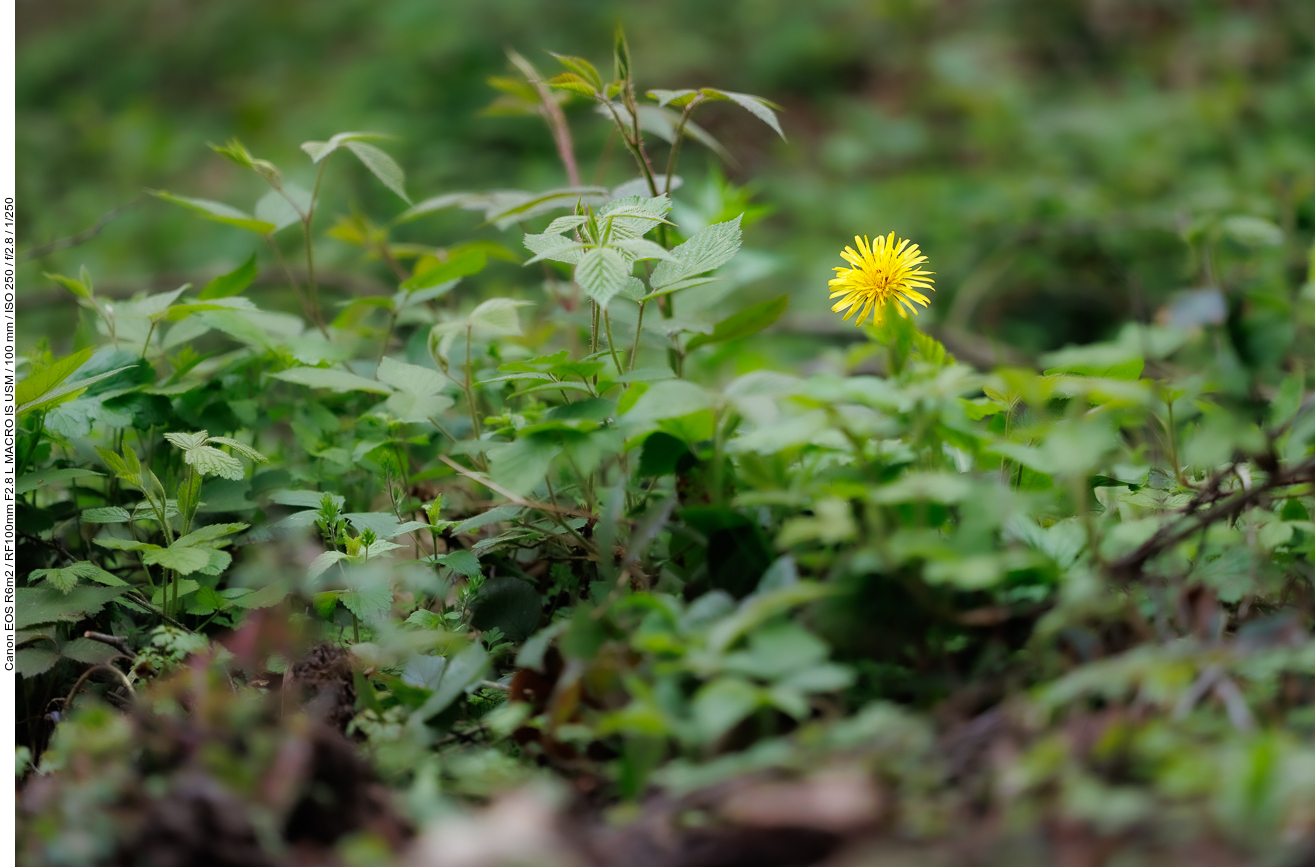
{"points": [[679, 570]]}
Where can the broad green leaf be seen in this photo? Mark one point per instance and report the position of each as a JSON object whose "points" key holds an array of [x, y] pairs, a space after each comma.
{"points": [[755, 105], [523, 465], [461, 561], [748, 321], [77, 287], [41, 478], [384, 167], [710, 248], [558, 248], [321, 564], [417, 408], [226, 285], [509, 604], [35, 605], [241, 448], [572, 83], [668, 399], [123, 544], [210, 461], [721, 705], [31, 661], [186, 441], [66, 391], [208, 532], [583, 68], [219, 212], [318, 150], [497, 317], [462, 670], [185, 561], [47, 378], [106, 515], [411, 378], [602, 273], [463, 264], [334, 380], [368, 603]]}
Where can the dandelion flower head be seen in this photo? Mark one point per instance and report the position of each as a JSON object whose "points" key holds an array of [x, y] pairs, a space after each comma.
{"points": [[886, 270]]}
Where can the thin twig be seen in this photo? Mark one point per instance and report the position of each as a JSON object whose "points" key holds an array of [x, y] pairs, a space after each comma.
{"points": [[81, 237]]}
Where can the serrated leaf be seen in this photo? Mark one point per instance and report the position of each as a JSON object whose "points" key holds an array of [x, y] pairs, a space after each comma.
{"points": [[368, 603], [35, 605], [562, 225], [384, 167], [754, 105], [461, 561], [642, 248], [241, 448], [602, 273], [710, 248], [31, 661], [411, 378], [334, 380], [66, 391], [556, 248], [318, 150], [185, 561], [186, 441], [572, 83], [218, 212], [212, 462], [106, 515], [123, 544]]}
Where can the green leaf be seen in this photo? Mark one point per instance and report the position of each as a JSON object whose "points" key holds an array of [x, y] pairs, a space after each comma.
{"points": [[755, 105], [321, 564], [334, 380], [748, 321], [48, 605], [41, 381], [226, 285], [558, 248], [721, 705], [77, 287], [384, 167], [710, 248], [106, 515], [208, 532], [497, 317], [417, 408], [509, 604], [667, 399], [602, 273], [463, 264], [368, 603], [522, 465], [461, 561], [411, 378], [212, 462], [241, 448], [582, 68], [31, 481], [218, 212], [318, 150], [462, 670], [31, 661], [185, 561]]}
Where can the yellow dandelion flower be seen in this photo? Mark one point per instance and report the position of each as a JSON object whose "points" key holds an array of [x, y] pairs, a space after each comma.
{"points": [[884, 271]]}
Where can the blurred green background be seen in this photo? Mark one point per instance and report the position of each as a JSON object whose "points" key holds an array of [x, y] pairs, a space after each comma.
{"points": [[1058, 160]]}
